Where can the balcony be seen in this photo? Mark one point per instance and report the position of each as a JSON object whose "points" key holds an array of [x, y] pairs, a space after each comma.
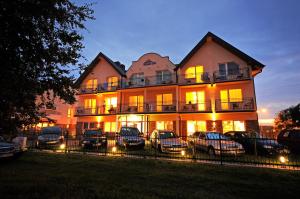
{"points": [[195, 107], [233, 75], [157, 80], [199, 78], [148, 108], [105, 87], [102, 110], [247, 104]]}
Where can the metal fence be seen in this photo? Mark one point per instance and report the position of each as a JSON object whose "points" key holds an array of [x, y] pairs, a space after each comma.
{"points": [[262, 152]]}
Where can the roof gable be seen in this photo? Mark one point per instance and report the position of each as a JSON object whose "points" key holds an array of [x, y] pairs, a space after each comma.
{"points": [[115, 65], [249, 60]]}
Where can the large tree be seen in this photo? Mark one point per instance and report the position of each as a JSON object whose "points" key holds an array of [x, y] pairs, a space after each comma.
{"points": [[40, 45], [288, 118]]}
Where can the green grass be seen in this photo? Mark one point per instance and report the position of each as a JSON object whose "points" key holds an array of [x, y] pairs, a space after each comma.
{"points": [[37, 175]]}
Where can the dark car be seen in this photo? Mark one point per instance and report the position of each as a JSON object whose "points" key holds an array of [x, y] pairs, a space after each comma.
{"points": [[291, 139], [9, 149], [51, 138], [130, 137], [93, 138], [253, 143]]}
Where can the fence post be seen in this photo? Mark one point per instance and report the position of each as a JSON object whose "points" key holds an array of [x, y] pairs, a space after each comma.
{"points": [[220, 145], [67, 137]]}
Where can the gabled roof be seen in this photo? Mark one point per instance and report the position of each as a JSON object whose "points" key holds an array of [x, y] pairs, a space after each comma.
{"points": [[249, 60], [115, 65]]}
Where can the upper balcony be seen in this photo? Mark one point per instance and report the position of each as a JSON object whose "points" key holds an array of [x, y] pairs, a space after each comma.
{"points": [[246, 104], [195, 107], [198, 78], [144, 81], [99, 110], [105, 87], [232, 75], [150, 107]]}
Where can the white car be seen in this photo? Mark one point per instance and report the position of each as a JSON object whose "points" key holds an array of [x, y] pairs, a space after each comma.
{"points": [[167, 142], [215, 143]]}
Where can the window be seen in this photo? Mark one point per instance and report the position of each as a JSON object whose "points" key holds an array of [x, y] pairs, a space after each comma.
{"points": [[231, 95], [162, 100], [69, 113], [109, 126], [229, 68], [91, 105], [92, 84], [196, 97], [112, 82], [193, 126], [137, 79], [194, 72], [137, 101], [163, 76], [85, 125], [164, 125], [110, 103], [229, 125]]}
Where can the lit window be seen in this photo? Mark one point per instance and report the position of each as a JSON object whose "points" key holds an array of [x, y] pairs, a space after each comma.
{"points": [[137, 101], [230, 125], [112, 82], [196, 98], [69, 113], [90, 104], [194, 72], [163, 99], [92, 84], [231, 95], [193, 126], [110, 102], [164, 125], [109, 126]]}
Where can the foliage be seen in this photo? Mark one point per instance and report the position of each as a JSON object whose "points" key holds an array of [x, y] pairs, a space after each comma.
{"points": [[288, 118], [40, 44]]}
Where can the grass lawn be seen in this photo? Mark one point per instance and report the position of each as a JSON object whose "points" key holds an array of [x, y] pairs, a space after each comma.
{"points": [[37, 175]]}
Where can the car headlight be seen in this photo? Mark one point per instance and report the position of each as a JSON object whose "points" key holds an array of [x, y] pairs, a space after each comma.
{"points": [[85, 142], [268, 146], [62, 146]]}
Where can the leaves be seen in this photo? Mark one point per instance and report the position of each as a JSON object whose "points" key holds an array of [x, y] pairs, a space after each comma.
{"points": [[288, 118]]}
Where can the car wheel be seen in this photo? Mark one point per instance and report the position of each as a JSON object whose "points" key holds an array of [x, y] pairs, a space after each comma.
{"points": [[211, 151]]}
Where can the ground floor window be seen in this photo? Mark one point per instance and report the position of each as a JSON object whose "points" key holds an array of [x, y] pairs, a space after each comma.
{"points": [[164, 125], [109, 126], [193, 126], [230, 125]]}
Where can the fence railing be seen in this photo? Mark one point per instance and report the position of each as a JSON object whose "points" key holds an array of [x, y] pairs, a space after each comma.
{"points": [[245, 104], [240, 74], [251, 151]]}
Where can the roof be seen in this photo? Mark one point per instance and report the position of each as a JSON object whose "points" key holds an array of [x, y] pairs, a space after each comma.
{"points": [[116, 65], [249, 60]]}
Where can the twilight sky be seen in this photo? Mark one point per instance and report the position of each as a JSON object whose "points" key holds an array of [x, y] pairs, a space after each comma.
{"points": [[267, 30]]}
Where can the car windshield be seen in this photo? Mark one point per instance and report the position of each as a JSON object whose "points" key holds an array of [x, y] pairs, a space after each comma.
{"points": [[130, 132], [51, 130], [92, 133], [215, 136], [166, 134]]}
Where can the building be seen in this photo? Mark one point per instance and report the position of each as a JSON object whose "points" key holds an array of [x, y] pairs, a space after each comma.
{"points": [[212, 89]]}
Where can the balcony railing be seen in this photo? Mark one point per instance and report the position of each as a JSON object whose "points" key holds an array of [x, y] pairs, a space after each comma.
{"points": [[246, 104], [152, 107], [234, 75], [199, 78], [195, 107], [157, 80], [105, 87], [99, 110]]}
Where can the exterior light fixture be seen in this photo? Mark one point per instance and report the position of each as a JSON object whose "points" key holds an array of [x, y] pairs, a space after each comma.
{"points": [[283, 159], [183, 153], [62, 146], [114, 149]]}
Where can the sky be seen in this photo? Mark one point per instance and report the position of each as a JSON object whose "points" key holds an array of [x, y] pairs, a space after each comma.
{"points": [[267, 30]]}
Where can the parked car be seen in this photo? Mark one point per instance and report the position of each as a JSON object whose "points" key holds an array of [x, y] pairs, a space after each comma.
{"points": [[290, 139], [130, 137], [51, 138], [9, 149], [167, 141], [215, 143], [254, 143], [93, 138]]}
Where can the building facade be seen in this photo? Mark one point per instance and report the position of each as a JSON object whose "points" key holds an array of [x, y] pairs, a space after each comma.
{"points": [[211, 89]]}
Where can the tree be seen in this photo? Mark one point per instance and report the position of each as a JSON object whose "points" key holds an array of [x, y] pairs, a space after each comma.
{"points": [[288, 118], [40, 45]]}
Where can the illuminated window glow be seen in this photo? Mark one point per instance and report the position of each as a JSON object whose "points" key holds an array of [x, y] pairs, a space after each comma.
{"points": [[92, 84], [196, 98], [194, 72], [137, 101], [231, 95], [112, 82], [109, 126], [193, 126], [110, 102], [162, 100], [90, 104], [229, 125], [164, 125]]}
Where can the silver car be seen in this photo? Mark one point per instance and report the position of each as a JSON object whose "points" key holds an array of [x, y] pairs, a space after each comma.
{"points": [[167, 142], [215, 143]]}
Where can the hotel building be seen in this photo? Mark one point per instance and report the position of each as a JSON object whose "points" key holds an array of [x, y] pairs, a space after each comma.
{"points": [[211, 89]]}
